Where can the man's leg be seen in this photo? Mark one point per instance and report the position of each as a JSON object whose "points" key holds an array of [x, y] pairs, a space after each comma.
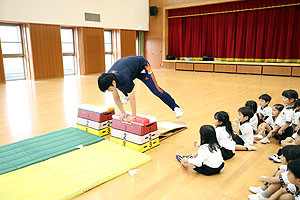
{"points": [[149, 80]]}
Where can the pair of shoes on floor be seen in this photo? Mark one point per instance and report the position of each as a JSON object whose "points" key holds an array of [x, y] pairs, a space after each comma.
{"points": [[178, 112], [265, 140], [257, 196], [180, 157], [275, 158], [256, 190]]}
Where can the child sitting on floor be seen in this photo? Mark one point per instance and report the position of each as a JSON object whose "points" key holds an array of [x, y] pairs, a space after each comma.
{"points": [[284, 121], [269, 124], [278, 178], [208, 159], [243, 130]]}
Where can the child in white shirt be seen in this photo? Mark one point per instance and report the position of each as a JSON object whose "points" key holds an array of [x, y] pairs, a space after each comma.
{"points": [[264, 110], [243, 130], [225, 134], [208, 159], [269, 124], [254, 119], [286, 117]]}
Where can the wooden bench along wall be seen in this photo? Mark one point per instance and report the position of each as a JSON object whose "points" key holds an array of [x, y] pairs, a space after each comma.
{"points": [[280, 69]]}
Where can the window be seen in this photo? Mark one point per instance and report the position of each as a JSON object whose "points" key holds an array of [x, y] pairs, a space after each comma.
{"points": [[67, 41], [12, 51], [108, 49]]}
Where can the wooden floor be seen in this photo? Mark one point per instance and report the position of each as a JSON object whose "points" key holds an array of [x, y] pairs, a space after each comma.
{"points": [[34, 108]]}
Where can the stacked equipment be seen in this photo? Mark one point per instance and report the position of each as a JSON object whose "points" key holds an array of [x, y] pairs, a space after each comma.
{"points": [[95, 119], [140, 135]]}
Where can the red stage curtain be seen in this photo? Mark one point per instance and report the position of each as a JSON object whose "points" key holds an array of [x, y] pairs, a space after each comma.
{"points": [[259, 35]]}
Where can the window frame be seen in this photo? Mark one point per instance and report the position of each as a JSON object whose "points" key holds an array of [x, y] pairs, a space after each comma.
{"points": [[22, 55], [74, 49]]}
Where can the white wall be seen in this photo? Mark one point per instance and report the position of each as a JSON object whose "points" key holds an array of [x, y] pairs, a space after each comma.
{"points": [[116, 14]]}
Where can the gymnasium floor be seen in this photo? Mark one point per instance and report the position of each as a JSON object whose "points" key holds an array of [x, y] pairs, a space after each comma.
{"points": [[34, 108]]}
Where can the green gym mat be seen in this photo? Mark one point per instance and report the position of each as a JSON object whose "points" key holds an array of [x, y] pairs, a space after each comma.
{"points": [[33, 150]]}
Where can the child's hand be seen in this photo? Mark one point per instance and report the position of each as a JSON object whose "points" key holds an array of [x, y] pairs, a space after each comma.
{"points": [[236, 121], [280, 132], [196, 144], [184, 162], [265, 179]]}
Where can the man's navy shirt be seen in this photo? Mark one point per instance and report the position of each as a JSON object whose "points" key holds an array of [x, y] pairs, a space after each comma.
{"points": [[126, 70]]}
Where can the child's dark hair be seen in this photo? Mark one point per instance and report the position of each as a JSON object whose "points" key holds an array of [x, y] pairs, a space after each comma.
{"points": [[290, 94], [251, 104], [291, 152], [265, 97], [296, 104], [246, 111], [278, 107], [293, 166], [223, 117], [208, 136], [105, 81]]}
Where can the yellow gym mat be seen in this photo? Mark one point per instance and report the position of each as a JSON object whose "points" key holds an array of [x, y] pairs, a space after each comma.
{"points": [[71, 174]]}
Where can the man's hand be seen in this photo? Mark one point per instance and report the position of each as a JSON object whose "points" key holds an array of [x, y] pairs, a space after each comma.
{"points": [[123, 117], [130, 118]]}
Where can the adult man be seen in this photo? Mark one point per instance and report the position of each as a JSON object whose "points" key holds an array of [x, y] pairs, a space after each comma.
{"points": [[121, 76]]}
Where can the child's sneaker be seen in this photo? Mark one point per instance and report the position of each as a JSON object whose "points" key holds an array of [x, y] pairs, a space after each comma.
{"points": [[251, 148], [125, 100], [178, 112], [189, 156], [258, 137], [265, 140], [179, 157], [256, 190], [275, 156], [277, 160], [257, 196]]}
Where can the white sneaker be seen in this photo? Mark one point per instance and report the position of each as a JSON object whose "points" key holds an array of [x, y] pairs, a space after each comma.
{"points": [[256, 190], [277, 160], [178, 112], [257, 196], [251, 148], [258, 137], [265, 140], [125, 100]]}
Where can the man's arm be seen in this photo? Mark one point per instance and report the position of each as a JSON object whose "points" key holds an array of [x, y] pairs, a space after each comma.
{"points": [[117, 100], [131, 96]]}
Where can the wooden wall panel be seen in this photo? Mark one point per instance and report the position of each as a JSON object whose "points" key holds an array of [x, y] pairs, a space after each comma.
{"points": [[225, 68], [2, 74], [169, 65], [185, 66], [128, 43], [91, 50], [296, 71], [204, 67], [249, 69], [276, 70], [46, 51]]}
